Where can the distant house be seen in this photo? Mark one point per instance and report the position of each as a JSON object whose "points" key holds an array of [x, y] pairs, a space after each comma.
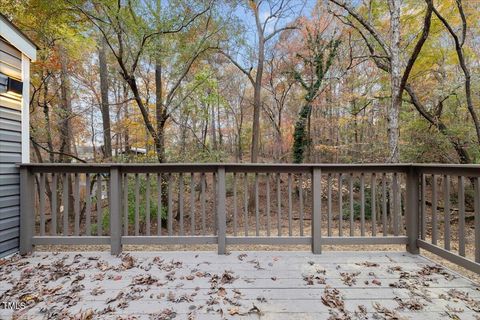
{"points": [[132, 151], [16, 52], [87, 152]]}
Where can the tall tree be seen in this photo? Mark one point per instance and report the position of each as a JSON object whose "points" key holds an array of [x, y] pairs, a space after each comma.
{"points": [[65, 110], [128, 34], [388, 59], [276, 12], [105, 107], [315, 63], [459, 43], [395, 81]]}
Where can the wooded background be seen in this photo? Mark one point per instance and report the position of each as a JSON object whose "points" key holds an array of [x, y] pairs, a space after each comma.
{"points": [[253, 81]]}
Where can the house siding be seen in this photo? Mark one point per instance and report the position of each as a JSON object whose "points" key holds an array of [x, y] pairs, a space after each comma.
{"points": [[10, 153]]}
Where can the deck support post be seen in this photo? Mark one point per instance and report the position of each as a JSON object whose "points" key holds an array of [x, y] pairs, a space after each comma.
{"points": [[27, 216], [316, 211], [115, 212], [221, 211], [412, 210]]}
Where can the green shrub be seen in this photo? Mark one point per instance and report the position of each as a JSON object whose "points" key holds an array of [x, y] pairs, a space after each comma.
{"points": [[357, 205], [142, 203]]}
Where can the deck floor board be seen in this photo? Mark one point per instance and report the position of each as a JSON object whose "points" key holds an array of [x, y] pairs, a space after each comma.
{"points": [[244, 285]]}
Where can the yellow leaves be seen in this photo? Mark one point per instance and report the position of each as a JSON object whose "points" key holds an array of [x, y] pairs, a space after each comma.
{"points": [[253, 5]]}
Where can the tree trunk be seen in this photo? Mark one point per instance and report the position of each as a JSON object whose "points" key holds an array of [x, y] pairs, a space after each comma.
{"points": [[395, 81], [105, 108], [219, 127], [65, 124], [160, 114], [65, 108], [46, 112], [257, 98], [462, 153], [213, 129]]}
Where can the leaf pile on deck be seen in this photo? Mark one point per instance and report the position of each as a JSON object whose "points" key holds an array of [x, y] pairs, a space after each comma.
{"points": [[349, 278], [87, 287], [332, 299]]}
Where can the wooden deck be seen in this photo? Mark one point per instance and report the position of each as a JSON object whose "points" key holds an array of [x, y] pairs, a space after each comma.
{"points": [[250, 285]]}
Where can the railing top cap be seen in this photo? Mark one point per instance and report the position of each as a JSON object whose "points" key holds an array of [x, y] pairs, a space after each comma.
{"points": [[219, 164]]}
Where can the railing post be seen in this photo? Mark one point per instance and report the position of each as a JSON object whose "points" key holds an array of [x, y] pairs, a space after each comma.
{"points": [[115, 212], [27, 216], [316, 211], [221, 212], [412, 210]]}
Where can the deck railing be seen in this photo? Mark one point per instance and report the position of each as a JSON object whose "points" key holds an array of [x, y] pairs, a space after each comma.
{"points": [[254, 204]]}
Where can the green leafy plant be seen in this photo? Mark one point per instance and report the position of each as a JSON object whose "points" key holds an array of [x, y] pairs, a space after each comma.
{"points": [[357, 206]]}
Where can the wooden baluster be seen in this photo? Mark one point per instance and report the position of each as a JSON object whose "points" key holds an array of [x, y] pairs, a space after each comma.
{"points": [[192, 204], [245, 204], [329, 205], [202, 200], [235, 209], [384, 205], [147, 205], [461, 216], [125, 204], [434, 210], [477, 219], [181, 190], [316, 211], [268, 204], [446, 208], [257, 213], [396, 209], [424, 211], [88, 205], [99, 205], [373, 205], [159, 204], [115, 209], [41, 198], [76, 207], [290, 204], [54, 208], [300, 196], [362, 204], [170, 204], [352, 212], [65, 204], [279, 206], [137, 204], [222, 212], [340, 205]]}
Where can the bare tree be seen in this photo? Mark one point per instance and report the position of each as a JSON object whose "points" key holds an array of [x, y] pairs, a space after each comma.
{"points": [[388, 59], [127, 36], [65, 111], [459, 42], [279, 86], [105, 107], [395, 81], [277, 12]]}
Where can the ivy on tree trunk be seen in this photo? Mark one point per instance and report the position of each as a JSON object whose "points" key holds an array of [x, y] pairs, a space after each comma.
{"points": [[317, 62]]}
